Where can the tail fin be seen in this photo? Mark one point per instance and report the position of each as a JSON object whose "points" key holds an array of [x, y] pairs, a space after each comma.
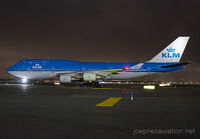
{"points": [[173, 52]]}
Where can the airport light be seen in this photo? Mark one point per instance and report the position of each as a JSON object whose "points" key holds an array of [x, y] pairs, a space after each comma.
{"points": [[164, 84], [56, 83], [150, 87]]}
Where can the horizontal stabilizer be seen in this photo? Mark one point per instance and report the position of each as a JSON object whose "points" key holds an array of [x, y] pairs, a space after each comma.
{"points": [[176, 65]]}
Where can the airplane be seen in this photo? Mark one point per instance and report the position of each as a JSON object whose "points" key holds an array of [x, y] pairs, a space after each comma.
{"points": [[68, 71]]}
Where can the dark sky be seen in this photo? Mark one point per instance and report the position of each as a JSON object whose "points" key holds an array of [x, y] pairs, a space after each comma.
{"points": [[99, 30]]}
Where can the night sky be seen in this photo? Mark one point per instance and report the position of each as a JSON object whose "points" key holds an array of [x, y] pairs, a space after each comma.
{"points": [[99, 30]]}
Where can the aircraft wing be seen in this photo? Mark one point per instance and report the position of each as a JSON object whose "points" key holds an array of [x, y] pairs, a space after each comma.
{"points": [[101, 73]]}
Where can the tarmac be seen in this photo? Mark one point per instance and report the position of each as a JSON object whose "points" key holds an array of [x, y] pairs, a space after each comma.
{"points": [[59, 112]]}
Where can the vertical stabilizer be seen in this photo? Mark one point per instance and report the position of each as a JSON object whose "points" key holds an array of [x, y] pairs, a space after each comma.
{"points": [[173, 52]]}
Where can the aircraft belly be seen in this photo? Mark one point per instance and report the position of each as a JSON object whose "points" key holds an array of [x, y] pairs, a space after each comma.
{"points": [[130, 75], [33, 74]]}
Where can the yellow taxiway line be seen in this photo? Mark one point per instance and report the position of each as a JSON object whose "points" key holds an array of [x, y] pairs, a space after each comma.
{"points": [[109, 102]]}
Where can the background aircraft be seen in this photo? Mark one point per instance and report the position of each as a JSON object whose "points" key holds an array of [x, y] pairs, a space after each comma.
{"points": [[67, 71]]}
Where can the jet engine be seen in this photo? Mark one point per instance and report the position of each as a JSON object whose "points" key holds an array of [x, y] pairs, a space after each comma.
{"points": [[90, 76], [65, 79]]}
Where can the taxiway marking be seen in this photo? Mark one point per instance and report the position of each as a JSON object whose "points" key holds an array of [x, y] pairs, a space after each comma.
{"points": [[109, 102]]}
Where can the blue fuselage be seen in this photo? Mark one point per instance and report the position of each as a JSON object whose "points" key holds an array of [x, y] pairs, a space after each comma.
{"points": [[64, 65], [34, 66]]}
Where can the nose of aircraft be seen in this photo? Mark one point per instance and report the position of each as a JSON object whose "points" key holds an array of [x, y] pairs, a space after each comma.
{"points": [[14, 70], [11, 68], [15, 67]]}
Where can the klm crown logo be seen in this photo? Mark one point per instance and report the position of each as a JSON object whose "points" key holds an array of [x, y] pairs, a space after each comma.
{"points": [[170, 54], [170, 50], [37, 66]]}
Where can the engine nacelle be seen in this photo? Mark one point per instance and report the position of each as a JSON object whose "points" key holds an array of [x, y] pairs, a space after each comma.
{"points": [[89, 77], [65, 79]]}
